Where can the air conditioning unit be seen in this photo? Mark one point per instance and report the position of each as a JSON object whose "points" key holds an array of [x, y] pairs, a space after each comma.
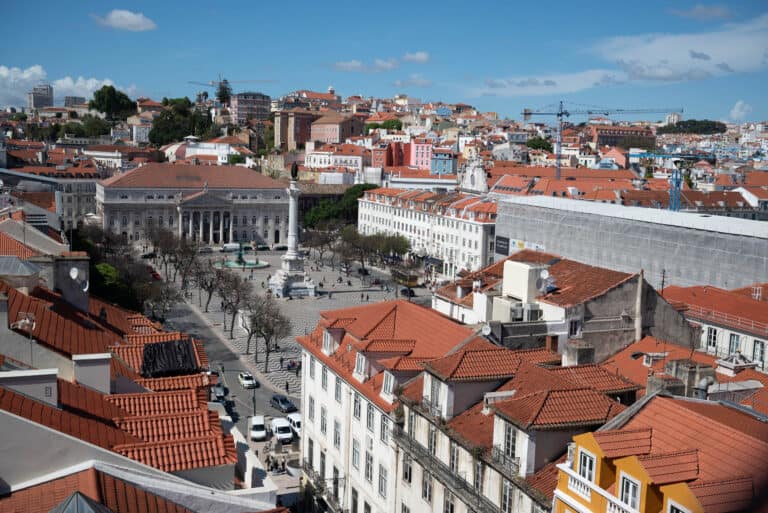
{"points": [[369, 443]]}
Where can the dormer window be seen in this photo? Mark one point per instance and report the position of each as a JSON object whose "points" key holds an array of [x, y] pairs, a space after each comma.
{"points": [[389, 383], [360, 366], [327, 343]]}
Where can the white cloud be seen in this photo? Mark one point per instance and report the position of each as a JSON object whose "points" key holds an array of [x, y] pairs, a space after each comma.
{"points": [[740, 110], [550, 84], [415, 80], [352, 65], [121, 19], [16, 82], [704, 12], [359, 66], [736, 47], [420, 57]]}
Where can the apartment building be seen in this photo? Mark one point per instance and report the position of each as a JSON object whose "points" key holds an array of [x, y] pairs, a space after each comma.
{"points": [[250, 105], [355, 360], [730, 321], [453, 231], [669, 455]]}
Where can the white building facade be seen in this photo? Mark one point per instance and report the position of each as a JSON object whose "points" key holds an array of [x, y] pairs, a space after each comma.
{"points": [[456, 231]]}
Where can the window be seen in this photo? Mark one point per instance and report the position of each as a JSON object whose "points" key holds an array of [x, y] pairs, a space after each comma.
{"points": [[323, 420], [479, 476], [404, 508], [453, 457], [356, 406], [711, 339], [389, 383], [369, 417], [630, 492], [676, 508], [321, 470], [337, 390], [310, 451], [432, 440], [355, 453], [506, 496], [449, 504], [324, 377], [758, 352], [384, 428], [353, 502], [366, 507], [336, 434], [382, 481], [312, 367], [407, 468], [311, 409], [574, 327], [411, 422], [586, 465], [510, 437], [734, 343], [426, 486], [368, 467], [360, 364]]}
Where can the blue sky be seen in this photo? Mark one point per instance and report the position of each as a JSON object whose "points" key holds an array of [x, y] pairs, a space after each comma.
{"points": [[711, 59]]}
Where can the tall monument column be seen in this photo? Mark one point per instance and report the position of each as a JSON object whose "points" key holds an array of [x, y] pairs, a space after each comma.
{"points": [[290, 279]]}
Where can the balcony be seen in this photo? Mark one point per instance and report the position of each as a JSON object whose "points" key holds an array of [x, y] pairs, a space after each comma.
{"points": [[735, 322], [597, 498], [325, 491], [511, 464], [464, 490]]}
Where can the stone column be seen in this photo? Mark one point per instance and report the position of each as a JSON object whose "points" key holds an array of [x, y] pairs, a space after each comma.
{"points": [[191, 232], [221, 227], [200, 218], [293, 220], [231, 215], [210, 227], [181, 225]]}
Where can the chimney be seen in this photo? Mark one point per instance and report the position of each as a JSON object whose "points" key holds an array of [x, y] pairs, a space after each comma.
{"points": [[551, 343], [578, 352], [70, 278], [39, 384], [92, 371]]}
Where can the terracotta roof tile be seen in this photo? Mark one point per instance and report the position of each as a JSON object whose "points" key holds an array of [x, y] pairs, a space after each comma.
{"points": [[184, 454], [598, 378], [672, 467], [177, 426], [473, 426], [176, 382], [88, 402], [624, 442], [545, 479], [159, 403], [184, 177], [576, 282], [11, 247]]}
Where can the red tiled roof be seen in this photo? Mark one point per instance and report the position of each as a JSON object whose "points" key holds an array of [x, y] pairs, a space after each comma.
{"points": [[184, 177], [11, 247], [487, 364], [577, 283], [558, 409], [184, 454], [545, 480], [176, 426], [86, 401], [597, 377], [176, 382], [624, 442], [45, 200], [160, 403], [672, 467]]}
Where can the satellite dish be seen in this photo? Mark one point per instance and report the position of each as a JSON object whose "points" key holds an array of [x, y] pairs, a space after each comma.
{"points": [[73, 273], [541, 284], [486, 329], [85, 286], [544, 274]]}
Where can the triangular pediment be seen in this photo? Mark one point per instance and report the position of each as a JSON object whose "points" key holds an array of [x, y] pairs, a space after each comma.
{"points": [[205, 199]]}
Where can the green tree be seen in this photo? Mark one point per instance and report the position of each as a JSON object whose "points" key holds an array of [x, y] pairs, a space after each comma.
{"points": [[539, 143], [694, 126], [94, 126], [235, 158], [344, 210], [224, 91], [18, 116], [115, 104], [75, 129]]}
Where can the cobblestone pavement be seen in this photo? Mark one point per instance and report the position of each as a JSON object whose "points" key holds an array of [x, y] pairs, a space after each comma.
{"points": [[303, 313]]}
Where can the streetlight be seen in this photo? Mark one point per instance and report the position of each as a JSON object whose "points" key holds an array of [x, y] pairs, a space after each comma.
{"points": [[253, 399]]}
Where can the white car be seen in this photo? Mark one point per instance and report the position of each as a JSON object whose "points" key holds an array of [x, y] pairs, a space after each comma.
{"points": [[247, 380], [294, 419], [258, 428], [282, 430]]}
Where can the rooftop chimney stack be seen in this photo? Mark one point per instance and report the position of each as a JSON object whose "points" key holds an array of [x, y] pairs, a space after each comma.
{"points": [[92, 371], [39, 384]]}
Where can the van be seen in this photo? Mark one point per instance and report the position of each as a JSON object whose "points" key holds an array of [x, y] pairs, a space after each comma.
{"points": [[219, 392], [282, 430], [258, 428], [294, 419], [230, 247]]}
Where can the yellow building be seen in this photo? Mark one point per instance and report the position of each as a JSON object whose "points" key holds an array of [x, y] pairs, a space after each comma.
{"points": [[668, 455]]}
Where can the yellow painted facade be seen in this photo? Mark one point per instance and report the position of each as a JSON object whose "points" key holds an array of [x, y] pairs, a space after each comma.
{"points": [[574, 495]]}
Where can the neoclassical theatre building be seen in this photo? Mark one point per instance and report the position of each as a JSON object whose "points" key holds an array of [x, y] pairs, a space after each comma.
{"points": [[212, 204]]}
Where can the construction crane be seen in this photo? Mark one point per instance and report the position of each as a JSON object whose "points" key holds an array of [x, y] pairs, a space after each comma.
{"points": [[561, 113], [217, 83]]}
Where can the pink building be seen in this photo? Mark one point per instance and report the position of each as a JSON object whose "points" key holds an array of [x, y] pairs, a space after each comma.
{"points": [[420, 154], [335, 128]]}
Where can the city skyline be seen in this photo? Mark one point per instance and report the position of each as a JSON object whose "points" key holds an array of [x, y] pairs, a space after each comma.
{"points": [[709, 59]]}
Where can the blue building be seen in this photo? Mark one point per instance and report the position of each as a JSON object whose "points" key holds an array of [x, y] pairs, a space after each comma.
{"points": [[444, 162]]}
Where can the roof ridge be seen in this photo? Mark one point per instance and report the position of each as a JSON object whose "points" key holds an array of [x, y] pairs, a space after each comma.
{"points": [[392, 311]]}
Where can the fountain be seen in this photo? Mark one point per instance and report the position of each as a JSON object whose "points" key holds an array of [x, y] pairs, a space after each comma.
{"points": [[240, 262]]}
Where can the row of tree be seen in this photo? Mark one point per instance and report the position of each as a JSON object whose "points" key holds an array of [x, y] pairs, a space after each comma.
{"points": [[343, 210], [694, 126], [179, 121]]}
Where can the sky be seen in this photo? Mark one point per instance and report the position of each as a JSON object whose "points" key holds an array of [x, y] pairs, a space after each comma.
{"points": [[710, 59]]}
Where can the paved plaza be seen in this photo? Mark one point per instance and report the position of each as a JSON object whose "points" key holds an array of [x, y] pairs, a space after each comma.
{"points": [[303, 313]]}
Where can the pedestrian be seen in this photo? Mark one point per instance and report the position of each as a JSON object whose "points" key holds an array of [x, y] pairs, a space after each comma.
{"points": [[330, 294], [297, 370], [283, 463], [286, 387], [366, 298], [281, 362], [361, 297], [222, 305]]}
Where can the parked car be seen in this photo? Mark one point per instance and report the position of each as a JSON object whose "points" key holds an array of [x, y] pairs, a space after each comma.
{"points": [[258, 428], [282, 430], [205, 250], [262, 247], [282, 247], [247, 247], [151, 254], [405, 291], [363, 272], [294, 419], [282, 403], [219, 392], [230, 247], [247, 380]]}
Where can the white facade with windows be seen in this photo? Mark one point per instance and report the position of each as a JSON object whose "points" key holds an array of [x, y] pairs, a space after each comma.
{"points": [[454, 230]]}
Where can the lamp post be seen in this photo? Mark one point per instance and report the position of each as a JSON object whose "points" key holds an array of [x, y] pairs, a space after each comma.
{"points": [[253, 399]]}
